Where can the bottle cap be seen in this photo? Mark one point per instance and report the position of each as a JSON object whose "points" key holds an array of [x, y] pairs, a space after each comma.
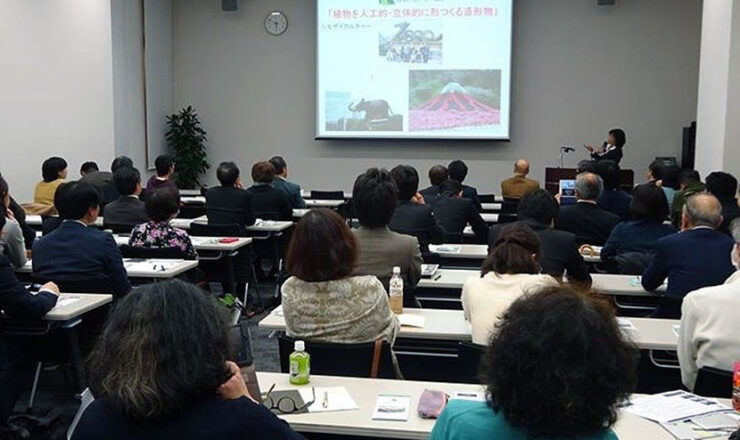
{"points": [[396, 270], [299, 346]]}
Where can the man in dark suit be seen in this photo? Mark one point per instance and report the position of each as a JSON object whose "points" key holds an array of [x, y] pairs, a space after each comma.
{"points": [[455, 212], [724, 187], [103, 180], [590, 223], [459, 171], [437, 175], [290, 189], [697, 257], [268, 201], [560, 255], [412, 216], [229, 203], [613, 198], [128, 210], [17, 301], [74, 251]]}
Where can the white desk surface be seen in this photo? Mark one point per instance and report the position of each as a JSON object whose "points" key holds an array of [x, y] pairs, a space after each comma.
{"points": [[193, 200], [85, 302], [365, 392], [491, 206], [317, 203], [468, 251], [189, 192], [35, 220], [307, 194], [261, 226], [450, 325], [298, 213], [203, 243], [489, 217], [182, 266]]}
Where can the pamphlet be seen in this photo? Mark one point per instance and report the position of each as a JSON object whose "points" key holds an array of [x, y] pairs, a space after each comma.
{"points": [[392, 407]]}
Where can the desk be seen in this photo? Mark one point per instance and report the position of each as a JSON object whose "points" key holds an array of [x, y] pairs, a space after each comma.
{"points": [[203, 243], [35, 220], [463, 251], [489, 217], [359, 423], [491, 206], [193, 200], [189, 192], [85, 302], [317, 203], [135, 269], [260, 226], [298, 213]]}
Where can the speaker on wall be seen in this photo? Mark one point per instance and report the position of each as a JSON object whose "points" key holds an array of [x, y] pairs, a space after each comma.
{"points": [[229, 5]]}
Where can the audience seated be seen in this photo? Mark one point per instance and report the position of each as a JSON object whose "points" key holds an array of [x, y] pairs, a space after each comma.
{"points": [[458, 172], [412, 215], [165, 166], [88, 167], [74, 251], [128, 209], [17, 301], [437, 175], [516, 187], [110, 193], [19, 214], [689, 183], [669, 182], [229, 203], [710, 325], [635, 240], [92, 175], [322, 301], [281, 182], [510, 271], [557, 367], [12, 241], [538, 210], [456, 212], [268, 202], [374, 196], [162, 370], [162, 205], [590, 223], [724, 187], [613, 198], [54, 171], [697, 257]]}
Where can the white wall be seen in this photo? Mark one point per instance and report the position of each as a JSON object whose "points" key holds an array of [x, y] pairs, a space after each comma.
{"points": [[732, 152], [56, 88], [579, 69]]}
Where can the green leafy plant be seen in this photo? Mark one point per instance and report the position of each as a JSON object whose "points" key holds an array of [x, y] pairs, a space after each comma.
{"points": [[186, 141]]}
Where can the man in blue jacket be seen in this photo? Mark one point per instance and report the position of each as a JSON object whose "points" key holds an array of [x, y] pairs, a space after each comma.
{"points": [[697, 257], [290, 189]]}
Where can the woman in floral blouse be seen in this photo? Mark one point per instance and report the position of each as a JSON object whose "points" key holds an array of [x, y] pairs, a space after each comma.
{"points": [[162, 205]]}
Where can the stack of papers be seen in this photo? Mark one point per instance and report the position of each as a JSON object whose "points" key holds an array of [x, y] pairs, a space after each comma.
{"points": [[408, 320], [444, 249], [428, 270], [149, 265], [328, 399], [673, 406]]}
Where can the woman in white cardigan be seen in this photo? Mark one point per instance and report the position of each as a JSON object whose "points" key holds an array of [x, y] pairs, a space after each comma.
{"points": [[510, 271]]}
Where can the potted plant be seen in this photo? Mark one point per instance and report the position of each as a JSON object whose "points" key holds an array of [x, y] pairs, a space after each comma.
{"points": [[186, 142]]}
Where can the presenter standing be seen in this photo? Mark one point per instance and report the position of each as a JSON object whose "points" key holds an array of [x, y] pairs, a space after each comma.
{"points": [[612, 148]]}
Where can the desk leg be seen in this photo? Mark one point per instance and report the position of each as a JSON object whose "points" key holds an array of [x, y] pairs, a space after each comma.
{"points": [[78, 369]]}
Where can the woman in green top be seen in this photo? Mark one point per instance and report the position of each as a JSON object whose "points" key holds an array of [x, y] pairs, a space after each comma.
{"points": [[556, 369]]}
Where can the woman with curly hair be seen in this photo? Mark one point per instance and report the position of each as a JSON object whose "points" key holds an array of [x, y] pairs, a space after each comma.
{"points": [[557, 367]]}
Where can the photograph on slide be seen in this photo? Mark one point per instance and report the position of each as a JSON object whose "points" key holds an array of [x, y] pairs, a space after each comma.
{"points": [[454, 99], [346, 111], [417, 42]]}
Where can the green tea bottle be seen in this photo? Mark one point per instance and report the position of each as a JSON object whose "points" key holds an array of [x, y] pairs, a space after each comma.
{"points": [[300, 365]]}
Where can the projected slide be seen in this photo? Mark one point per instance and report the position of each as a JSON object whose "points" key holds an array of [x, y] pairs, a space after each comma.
{"points": [[435, 69]]}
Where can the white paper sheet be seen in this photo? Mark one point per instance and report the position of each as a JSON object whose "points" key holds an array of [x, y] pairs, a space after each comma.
{"points": [[409, 320], [329, 399], [392, 407], [672, 406]]}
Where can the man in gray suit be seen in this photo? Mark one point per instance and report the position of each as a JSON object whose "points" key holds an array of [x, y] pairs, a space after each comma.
{"points": [[128, 210], [290, 189], [375, 196]]}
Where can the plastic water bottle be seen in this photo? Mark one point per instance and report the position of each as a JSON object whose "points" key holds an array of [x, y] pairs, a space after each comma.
{"points": [[300, 364], [396, 291]]}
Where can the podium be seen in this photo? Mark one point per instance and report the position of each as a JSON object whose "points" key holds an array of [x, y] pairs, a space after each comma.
{"points": [[553, 176]]}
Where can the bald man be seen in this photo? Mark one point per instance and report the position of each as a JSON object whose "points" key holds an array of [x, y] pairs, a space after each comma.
{"points": [[518, 186], [697, 257]]}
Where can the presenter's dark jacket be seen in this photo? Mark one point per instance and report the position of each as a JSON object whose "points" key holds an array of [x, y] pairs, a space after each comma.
{"points": [[690, 260], [127, 210], [455, 213], [291, 190], [614, 155], [226, 205], [270, 203], [617, 202], [16, 301], [559, 251], [209, 418], [590, 223], [471, 193], [418, 220], [75, 252]]}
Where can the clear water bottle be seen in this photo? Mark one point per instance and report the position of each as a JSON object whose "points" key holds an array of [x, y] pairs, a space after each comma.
{"points": [[396, 291]]}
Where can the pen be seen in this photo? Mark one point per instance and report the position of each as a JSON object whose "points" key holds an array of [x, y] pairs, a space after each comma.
{"points": [[436, 277], [325, 404]]}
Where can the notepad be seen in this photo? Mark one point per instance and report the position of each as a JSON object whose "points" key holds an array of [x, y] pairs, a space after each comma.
{"points": [[67, 301], [445, 249], [392, 407], [428, 270], [329, 399], [409, 320]]}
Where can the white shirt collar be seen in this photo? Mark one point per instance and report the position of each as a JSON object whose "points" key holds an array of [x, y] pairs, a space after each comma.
{"points": [[593, 202], [701, 227], [161, 179]]}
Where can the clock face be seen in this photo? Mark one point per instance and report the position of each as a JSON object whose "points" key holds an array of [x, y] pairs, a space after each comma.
{"points": [[276, 23]]}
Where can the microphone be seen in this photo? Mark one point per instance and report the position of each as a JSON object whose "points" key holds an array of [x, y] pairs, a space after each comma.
{"points": [[567, 148]]}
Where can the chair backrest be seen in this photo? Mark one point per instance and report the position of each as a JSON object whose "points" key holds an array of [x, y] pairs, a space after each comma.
{"points": [[80, 285], [669, 308], [713, 382], [487, 198], [209, 230], [633, 263], [191, 211], [509, 207], [267, 215], [173, 253], [327, 195], [86, 398], [470, 356], [507, 218], [226, 216], [118, 228], [348, 360]]}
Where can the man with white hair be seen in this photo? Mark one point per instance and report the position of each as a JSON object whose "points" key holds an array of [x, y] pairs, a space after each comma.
{"points": [[697, 257], [588, 221], [710, 324]]}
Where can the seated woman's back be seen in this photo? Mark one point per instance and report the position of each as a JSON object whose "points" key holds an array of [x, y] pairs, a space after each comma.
{"points": [[321, 301], [162, 205], [160, 370]]}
